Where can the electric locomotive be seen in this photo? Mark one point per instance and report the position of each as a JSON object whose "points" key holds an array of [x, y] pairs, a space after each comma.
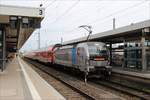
{"points": [[92, 58]]}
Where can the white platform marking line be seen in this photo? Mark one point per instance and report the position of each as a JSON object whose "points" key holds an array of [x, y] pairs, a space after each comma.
{"points": [[54, 90], [34, 93]]}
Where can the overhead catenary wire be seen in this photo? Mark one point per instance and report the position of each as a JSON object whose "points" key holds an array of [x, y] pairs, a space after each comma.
{"points": [[97, 20], [117, 12], [71, 30], [102, 20], [67, 11], [106, 17], [51, 3], [45, 1], [66, 31]]}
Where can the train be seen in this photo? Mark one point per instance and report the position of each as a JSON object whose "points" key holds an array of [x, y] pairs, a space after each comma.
{"points": [[90, 58]]}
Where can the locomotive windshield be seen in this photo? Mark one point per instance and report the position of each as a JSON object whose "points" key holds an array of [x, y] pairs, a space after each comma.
{"points": [[97, 49]]}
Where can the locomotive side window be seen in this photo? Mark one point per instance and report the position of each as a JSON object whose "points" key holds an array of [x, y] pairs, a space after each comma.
{"points": [[62, 55]]}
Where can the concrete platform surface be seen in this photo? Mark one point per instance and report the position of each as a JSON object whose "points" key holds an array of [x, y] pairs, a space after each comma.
{"points": [[12, 83], [21, 82]]}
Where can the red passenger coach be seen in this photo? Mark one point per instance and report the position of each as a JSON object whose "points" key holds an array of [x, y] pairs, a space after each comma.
{"points": [[30, 55], [43, 55]]}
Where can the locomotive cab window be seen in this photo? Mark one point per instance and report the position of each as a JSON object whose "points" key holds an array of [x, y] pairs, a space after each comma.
{"points": [[97, 49]]}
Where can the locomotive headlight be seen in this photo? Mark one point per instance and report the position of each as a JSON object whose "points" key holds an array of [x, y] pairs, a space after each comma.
{"points": [[109, 67], [109, 73], [96, 44], [87, 62]]}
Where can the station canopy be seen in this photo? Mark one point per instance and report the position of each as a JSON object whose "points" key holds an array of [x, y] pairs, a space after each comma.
{"points": [[18, 24], [116, 35]]}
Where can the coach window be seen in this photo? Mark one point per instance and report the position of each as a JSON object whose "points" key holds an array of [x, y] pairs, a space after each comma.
{"points": [[49, 54]]}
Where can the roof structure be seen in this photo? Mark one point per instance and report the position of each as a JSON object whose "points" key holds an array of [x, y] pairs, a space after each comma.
{"points": [[115, 35], [21, 11], [19, 23]]}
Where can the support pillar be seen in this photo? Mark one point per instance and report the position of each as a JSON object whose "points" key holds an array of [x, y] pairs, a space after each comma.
{"points": [[1, 41], [2, 47], [110, 56], [124, 54], [19, 25], [4, 51], [144, 61]]}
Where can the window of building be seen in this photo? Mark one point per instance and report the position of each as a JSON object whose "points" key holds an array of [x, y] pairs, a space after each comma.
{"points": [[133, 44], [25, 22], [133, 55], [147, 43], [13, 22], [148, 58]]}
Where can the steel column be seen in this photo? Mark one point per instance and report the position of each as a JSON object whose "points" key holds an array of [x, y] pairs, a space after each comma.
{"points": [[110, 56], [1, 50], [124, 54], [144, 62], [4, 50]]}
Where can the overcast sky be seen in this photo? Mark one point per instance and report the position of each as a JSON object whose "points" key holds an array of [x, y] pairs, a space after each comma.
{"points": [[62, 17]]}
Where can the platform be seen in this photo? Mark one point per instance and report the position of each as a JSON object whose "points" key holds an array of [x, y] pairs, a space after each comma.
{"points": [[144, 75], [21, 82]]}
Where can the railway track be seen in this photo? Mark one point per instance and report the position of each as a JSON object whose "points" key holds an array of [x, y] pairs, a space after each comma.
{"points": [[113, 85], [138, 83], [88, 91], [65, 90], [125, 89]]}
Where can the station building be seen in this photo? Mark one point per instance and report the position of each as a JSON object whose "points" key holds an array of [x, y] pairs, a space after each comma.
{"points": [[16, 25]]}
